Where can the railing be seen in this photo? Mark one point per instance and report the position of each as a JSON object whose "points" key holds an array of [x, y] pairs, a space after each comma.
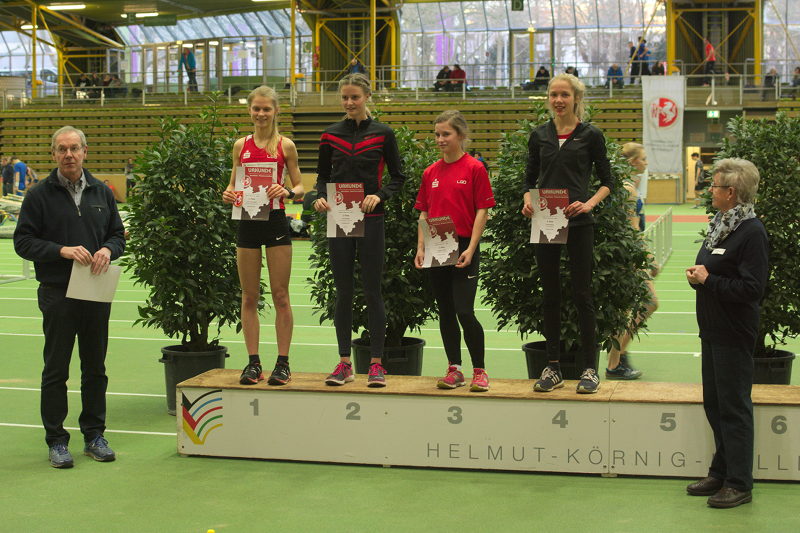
{"points": [[659, 237], [398, 83]]}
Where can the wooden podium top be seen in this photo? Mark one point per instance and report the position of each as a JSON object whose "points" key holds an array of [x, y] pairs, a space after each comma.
{"points": [[517, 389]]}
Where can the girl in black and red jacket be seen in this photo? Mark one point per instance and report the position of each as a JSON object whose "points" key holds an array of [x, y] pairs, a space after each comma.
{"points": [[357, 149]]}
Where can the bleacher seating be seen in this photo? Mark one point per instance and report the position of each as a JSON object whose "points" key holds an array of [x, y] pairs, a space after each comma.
{"points": [[114, 134]]}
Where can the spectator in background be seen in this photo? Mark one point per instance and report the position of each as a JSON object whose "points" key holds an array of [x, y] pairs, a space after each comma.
{"points": [[770, 81], [658, 69], [94, 92], [116, 87], [710, 60], [796, 77], [442, 79], [542, 78], [20, 173], [31, 178], [129, 177], [8, 176], [356, 67], [646, 62], [699, 179], [615, 76], [572, 70], [189, 64], [458, 78], [641, 55], [634, 63]]}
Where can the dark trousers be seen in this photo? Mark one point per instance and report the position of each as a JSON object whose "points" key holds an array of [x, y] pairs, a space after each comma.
{"points": [[371, 252], [727, 382], [8, 187], [454, 290], [64, 319], [709, 69], [580, 250], [192, 85]]}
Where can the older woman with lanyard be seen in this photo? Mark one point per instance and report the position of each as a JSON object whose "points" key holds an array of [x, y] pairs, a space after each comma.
{"points": [[729, 276], [561, 154]]}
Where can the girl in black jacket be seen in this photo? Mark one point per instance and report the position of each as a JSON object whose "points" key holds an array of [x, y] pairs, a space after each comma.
{"points": [[561, 154]]}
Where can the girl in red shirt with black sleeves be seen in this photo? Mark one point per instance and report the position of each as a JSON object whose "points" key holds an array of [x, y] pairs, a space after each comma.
{"points": [[457, 186]]}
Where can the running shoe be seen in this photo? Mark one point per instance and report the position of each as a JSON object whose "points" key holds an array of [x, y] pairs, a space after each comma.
{"points": [[376, 376], [480, 381], [251, 374], [454, 378], [343, 373], [60, 456], [99, 450], [550, 379], [624, 370], [281, 375], [589, 383]]}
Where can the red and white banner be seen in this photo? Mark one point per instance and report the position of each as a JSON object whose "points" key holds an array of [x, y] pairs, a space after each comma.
{"points": [[662, 113]]}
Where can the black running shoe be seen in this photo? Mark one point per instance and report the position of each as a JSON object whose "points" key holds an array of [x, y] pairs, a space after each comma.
{"points": [[589, 383], [550, 379], [281, 375], [251, 374]]}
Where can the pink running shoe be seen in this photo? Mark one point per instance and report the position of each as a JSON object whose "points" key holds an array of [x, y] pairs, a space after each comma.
{"points": [[454, 378], [480, 381], [343, 373], [376, 376]]}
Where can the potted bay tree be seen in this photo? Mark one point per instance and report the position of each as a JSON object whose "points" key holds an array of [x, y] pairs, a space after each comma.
{"points": [[771, 145], [182, 244]]}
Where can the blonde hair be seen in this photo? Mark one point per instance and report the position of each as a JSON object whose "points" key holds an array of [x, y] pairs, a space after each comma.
{"points": [[578, 90], [273, 136], [358, 80], [455, 120], [632, 150]]}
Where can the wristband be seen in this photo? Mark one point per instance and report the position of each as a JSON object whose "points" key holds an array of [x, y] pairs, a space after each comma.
{"points": [[292, 194]]}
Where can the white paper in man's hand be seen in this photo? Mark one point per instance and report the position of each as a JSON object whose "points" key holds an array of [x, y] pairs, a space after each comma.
{"points": [[83, 285]]}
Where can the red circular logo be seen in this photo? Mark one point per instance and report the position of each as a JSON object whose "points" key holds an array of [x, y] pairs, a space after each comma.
{"points": [[664, 112]]}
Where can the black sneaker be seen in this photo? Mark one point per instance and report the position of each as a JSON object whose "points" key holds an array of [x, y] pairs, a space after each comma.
{"points": [[251, 374], [550, 379], [589, 383], [98, 450], [624, 370], [280, 374], [60, 456]]}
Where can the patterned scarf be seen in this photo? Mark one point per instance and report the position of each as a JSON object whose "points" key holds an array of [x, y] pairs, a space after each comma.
{"points": [[725, 223]]}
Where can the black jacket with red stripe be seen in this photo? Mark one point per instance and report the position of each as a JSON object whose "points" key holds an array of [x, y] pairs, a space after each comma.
{"points": [[358, 153]]}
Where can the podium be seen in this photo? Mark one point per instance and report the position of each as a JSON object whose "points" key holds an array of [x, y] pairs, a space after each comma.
{"points": [[632, 428]]}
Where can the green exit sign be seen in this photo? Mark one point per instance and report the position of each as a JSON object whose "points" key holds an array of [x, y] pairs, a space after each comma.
{"points": [[517, 5], [712, 113]]}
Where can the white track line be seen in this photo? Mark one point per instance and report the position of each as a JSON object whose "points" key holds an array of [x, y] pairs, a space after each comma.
{"points": [[31, 389], [129, 432]]}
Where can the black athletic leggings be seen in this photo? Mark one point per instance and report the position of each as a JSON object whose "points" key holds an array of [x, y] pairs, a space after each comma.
{"points": [[580, 248], [371, 250], [454, 290]]}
